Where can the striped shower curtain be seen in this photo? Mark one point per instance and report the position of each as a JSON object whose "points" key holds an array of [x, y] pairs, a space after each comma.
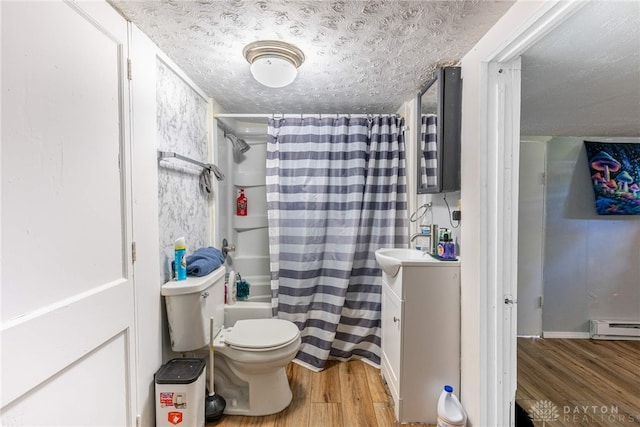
{"points": [[336, 192], [429, 150]]}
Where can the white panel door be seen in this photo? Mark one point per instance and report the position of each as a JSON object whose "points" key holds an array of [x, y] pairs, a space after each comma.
{"points": [[68, 345]]}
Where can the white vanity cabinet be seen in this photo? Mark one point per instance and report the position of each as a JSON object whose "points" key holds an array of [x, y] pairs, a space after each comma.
{"points": [[421, 336]]}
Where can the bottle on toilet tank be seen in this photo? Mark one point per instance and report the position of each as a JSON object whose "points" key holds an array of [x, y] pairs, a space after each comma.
{"points": [[180, 261]]}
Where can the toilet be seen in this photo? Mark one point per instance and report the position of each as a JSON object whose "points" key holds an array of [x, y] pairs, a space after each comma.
{"points": [[250, 356]]}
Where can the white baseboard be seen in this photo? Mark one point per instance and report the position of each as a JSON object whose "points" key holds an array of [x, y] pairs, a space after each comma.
{"points": [[566, 335]]}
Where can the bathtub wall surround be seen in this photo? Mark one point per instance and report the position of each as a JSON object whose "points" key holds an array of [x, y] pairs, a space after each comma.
{"points": [[248, 233], [182, 128]]}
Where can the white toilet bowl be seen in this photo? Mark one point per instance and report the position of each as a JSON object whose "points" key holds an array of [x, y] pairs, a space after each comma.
{"points": [[250, 356], [250, 361]]}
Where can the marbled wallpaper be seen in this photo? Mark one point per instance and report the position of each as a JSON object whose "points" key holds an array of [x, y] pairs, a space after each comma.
{"points": [[182, 128]]}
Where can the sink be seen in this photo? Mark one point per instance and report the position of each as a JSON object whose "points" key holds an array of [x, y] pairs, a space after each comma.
{"points": [[391, 259]]}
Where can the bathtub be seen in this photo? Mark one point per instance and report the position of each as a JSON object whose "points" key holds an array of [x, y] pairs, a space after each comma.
{"points": [[256, 306], [246, 310]]}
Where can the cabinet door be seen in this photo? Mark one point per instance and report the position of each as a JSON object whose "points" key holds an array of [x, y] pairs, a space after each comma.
{"points": [[391, 335], [393, 284]]}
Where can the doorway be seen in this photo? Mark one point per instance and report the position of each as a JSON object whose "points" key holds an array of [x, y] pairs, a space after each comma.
{"points": [[497, 226]]}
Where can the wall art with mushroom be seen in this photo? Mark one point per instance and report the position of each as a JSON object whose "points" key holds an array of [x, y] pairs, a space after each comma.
{"points": [[615, 175]]}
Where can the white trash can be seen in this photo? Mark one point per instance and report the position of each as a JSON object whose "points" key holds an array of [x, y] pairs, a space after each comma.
{"points": [[180, 393]]}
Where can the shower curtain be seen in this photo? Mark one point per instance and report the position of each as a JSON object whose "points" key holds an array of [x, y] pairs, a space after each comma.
{"points": [[429, 150], [336, 192]]}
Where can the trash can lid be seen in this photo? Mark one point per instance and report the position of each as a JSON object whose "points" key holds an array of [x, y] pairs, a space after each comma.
{"points": [[180, 371]]}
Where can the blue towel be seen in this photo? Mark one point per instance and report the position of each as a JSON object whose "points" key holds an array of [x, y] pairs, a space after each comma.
{"points": [[203, 261]]}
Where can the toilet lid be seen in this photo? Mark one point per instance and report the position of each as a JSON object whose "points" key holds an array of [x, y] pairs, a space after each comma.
{"points": [[262, 334]]}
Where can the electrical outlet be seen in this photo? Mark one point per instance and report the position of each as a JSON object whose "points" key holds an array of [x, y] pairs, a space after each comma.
{"points": [[455, 215]]}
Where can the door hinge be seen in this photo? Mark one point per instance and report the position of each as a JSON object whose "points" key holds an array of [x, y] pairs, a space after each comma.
{"points": [[540, 301], [133, 252], [129, 72]]}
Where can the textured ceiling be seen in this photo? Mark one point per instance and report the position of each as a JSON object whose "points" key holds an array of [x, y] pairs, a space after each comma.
{"points": [[361, 56], [583, 78]]}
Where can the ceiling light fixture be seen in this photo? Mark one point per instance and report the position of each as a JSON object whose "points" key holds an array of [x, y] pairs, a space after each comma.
{"points": [[273, 63]]}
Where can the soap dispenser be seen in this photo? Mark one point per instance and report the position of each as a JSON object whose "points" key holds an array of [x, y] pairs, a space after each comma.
{"points": [[446, 246]]}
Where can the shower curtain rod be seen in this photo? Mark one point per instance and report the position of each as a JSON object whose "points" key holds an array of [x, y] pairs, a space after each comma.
{"points": [[225, 127], [284, 115]]}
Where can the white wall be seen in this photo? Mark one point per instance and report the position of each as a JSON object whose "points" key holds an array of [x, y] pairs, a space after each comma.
{"points": [[531, 235], [149, 307], [442, 206], [170, 113], [591, 262]]}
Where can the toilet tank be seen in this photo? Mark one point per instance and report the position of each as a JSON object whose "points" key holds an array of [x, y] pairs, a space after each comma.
{"points": [[190, 304]]}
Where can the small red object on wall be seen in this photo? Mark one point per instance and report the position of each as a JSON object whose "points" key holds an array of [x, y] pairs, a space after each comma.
{"points": [[241, 209]]}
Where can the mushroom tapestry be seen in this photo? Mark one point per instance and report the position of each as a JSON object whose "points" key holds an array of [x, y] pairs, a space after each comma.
{"points": [[615, 175]]}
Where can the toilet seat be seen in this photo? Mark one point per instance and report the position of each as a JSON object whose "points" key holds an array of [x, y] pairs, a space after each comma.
{"points": [[261, 334]]}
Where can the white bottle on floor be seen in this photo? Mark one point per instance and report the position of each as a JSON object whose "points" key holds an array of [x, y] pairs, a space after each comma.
{"points": [[450, 410]]}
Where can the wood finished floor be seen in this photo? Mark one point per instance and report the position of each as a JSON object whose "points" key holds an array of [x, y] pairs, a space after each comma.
{"points": [[586, 380], [345, 394]]}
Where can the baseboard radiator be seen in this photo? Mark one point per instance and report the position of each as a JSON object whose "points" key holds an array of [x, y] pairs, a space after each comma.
{"points": [[615, 329]]}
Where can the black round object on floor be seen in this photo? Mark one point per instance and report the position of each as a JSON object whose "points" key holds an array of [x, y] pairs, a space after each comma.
{"points": [[214, 407]]}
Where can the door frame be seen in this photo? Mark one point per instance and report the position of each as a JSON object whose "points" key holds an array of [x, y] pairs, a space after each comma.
{"points": [[499, 168]]}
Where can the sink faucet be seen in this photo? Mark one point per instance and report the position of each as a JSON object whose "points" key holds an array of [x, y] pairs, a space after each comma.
{"points": [[416, 235]]}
